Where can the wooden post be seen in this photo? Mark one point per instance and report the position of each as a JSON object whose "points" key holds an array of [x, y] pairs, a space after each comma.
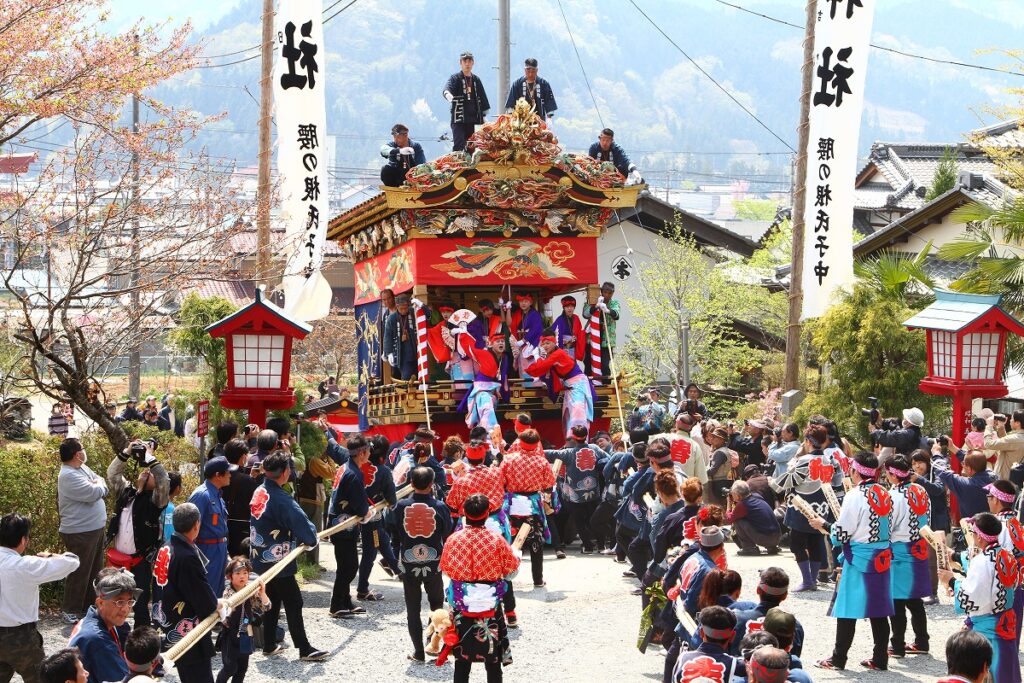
{"points": [[263, 181], [796, 294]]}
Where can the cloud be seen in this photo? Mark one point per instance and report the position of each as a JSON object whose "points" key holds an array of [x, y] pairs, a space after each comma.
{"points": [[1004, 11], [422, 111], [897, 123], [789, 51]]}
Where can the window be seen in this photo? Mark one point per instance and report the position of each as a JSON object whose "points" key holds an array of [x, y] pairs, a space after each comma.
{"points": [[979, 356], [943, 354], [257, 360]]}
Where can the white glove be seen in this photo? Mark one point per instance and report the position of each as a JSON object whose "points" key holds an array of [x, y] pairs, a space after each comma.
{"points": [[518, 343], [391, 359], [501, 303], [536, 354], [603, 307], [407, 150], [518, 553], [223, 609], [447, 95], [416, 303], [458, 330], [634, 178], [600, 301], [149, 460]]}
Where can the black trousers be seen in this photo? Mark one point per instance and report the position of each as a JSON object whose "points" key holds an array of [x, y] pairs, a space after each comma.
{"points": [[670, 659], [235, 663], [462, 669], [918, 622], [143, 573], [846, 628], [807, 547], [285, 590], [413, 587], [602, 523], [623, 537], [508, 600], [346, 554], [461, 133], [639, 554], [197, 672], [581, 515]]}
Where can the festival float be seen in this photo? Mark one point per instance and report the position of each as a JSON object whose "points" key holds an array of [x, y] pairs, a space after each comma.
{"points": [[517, 216]]}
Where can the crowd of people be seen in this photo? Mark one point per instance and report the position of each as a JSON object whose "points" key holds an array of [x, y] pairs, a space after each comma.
{"points": [[469, 106], [874, 526]]}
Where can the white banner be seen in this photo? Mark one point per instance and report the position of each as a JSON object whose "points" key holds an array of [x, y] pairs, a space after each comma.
{"points": [[301, 114], [841, 48]]}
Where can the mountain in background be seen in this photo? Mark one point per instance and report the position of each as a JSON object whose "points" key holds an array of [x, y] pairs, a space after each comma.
{"points": [[387, 62]]}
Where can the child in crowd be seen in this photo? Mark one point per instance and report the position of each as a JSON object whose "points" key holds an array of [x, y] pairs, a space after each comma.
{"points": [[237, 638]]}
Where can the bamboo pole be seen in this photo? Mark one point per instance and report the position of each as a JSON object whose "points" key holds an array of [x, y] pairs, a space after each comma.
{"points": [[615, 379], [202, 628]]}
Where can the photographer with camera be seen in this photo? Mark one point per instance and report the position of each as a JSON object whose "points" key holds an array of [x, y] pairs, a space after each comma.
{"points": [[692, 405], [748, 442], [903, 438], [1008, 446], [136, 529], [781, 446]]}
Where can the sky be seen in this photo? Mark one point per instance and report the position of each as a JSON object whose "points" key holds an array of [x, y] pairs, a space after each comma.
{"points": [[203, 13]]}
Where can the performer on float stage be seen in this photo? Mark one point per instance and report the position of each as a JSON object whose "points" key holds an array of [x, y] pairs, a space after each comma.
{"points": [[481, 402], [526, 325], [459, 366], [864, 590], [569, 331], [986, 596], [911, 577], [480, 565], [578, 395]]}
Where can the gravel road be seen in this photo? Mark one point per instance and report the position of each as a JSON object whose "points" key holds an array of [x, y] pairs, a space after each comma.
{"points": [[582, 627]]}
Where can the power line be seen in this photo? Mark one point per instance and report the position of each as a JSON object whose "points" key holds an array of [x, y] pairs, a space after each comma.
{"points": [[902, 53], [712, 79], [580, 61], [259, 47]]}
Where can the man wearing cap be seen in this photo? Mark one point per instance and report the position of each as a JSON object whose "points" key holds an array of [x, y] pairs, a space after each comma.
{"points": [[567, 378], [480, 403], [535, 90], [569, 331], [602, 317], [400, 339], [101, 633], [401, 154], [581, 489], [785, 628], [605, 149], [130, 412], [465, 92], [136, 529], [278, 526], [753, 521], [905, 440], [721, 472], [748, 442], [188, 597], [526, 325], [21, 648], [213, 533]]}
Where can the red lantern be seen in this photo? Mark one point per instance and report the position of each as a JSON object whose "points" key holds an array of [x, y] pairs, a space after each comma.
{"points": [[259, 352]]}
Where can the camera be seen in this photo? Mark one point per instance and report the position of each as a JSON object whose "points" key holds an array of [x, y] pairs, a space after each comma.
{"points": [[871, 413], [943, 440], [890, 424], [137, 450]]}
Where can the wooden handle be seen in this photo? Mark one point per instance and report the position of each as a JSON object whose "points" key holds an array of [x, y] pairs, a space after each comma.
{"points": [[520, 539], [204, 627], [556, 468], [831, 499]]}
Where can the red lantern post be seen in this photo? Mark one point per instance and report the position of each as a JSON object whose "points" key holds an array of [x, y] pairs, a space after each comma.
{"points": [[259, 353], [966, 346]]}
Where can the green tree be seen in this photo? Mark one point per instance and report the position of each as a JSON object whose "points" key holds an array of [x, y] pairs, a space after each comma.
{"points": [[755, 209], [944, 179], [682, 283], [865, 351], [897, 275], [190, 335]]}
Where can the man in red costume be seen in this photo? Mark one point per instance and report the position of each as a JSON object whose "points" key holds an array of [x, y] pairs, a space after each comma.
{"points": [[479, 563], [481, 402], [578, 398], [527, 473]]}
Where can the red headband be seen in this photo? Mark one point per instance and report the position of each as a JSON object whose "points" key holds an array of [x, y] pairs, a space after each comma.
{"points": [[568, 301], [864, 470], [520, 427], [548, 339], [496, 337], [763, 674], [524, 297], [446, 308], [485, 515], [476, 453]]}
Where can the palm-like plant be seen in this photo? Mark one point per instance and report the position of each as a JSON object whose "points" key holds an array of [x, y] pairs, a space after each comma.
{"points": [[897, 275]]}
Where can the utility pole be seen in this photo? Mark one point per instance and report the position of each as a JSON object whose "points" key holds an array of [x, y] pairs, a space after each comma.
{"points": [[796, 273], [503, 49], [686, 352], [263, 180], [135, 352]]}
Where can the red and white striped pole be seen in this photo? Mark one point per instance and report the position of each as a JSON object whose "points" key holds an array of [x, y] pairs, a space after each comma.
{"points": [[422, 369], [594, 336]]}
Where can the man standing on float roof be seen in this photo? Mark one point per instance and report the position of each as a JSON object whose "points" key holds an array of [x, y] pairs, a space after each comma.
{"points": [[535, 90], [465, 92]]}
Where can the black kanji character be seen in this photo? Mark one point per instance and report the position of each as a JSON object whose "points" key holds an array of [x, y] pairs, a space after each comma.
{"points": [[821, 246], [821, 271], [312, 189], [309, 162], [824, 195], [824, 171], [621, 270], [837, 78], [305, 54], [826, 149], [313, 218], [307, 136], [822, 220], [850, 4]]}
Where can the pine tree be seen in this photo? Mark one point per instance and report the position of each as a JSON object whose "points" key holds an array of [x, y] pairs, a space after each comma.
{"points": [[944, 179]]}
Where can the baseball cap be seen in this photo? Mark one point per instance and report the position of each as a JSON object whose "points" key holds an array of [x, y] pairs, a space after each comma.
{"points": [[778, 622], [466, 55], [217, 465]]}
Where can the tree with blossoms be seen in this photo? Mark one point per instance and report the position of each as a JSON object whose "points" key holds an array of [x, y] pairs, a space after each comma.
{"points": [[123, 218]]}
